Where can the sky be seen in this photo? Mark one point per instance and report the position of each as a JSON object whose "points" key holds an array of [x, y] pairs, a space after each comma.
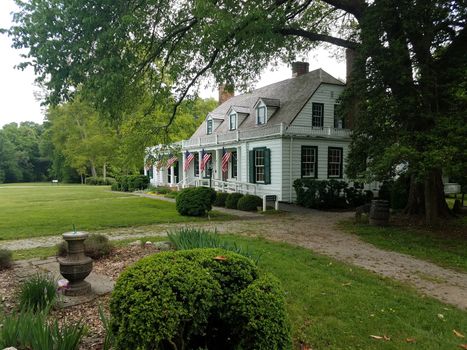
{"points": [[17, 101]]}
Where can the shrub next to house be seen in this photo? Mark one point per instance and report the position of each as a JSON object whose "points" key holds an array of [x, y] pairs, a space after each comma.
{"points": [[329, 194], [129, 183], [198, 299], [232, 200], [220, 199], [249, 203], [194, 201]]}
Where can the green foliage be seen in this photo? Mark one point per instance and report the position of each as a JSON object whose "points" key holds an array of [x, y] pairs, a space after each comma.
{"points": [[37, 293], [5, 258], [194, 201], [96, 246], [221, 197], [29, 330], [232, 200], [159, 189], [100, 181], [249, 203], [396, 192], [191, 238], [130, 183], [329, 194], [191, 299]]}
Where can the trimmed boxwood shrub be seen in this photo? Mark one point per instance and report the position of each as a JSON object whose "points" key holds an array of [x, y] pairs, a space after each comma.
{"points": [[232, 200], [198, 299], [194, 201], [210, 192], [249, 203], [220, 199]]}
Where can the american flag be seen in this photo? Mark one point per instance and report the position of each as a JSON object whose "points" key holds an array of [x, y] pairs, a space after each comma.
{"points": [[225, 160], [204, 160], [188, 158], [171, 161]]}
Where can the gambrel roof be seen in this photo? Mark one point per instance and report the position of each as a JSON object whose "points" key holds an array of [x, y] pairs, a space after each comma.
{"points": [[291, 95]]}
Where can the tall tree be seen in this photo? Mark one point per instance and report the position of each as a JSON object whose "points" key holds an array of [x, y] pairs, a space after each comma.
{"points": [[115, 50]]}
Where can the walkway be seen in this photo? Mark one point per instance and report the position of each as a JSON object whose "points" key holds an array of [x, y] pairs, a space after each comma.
{"points": [[317, 231]]}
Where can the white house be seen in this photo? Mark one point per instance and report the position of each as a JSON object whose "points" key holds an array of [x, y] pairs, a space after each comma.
{"points": [[273, 135]]}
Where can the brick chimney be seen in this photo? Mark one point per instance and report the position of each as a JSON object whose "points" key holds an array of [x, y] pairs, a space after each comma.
{"points": [[299, 68], [226, 92]]}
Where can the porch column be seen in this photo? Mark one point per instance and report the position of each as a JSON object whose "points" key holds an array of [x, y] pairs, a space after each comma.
{"points": [[200, 157], [183, 170], [172, 176], [218, 165]]}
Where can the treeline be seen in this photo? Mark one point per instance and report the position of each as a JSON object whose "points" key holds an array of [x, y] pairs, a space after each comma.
{"points": [[76, 141]]}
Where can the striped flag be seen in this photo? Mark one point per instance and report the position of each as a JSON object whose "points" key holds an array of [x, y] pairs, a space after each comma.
{"points": [[204, 159], [171, 161], [225, 160], [188, 158]]}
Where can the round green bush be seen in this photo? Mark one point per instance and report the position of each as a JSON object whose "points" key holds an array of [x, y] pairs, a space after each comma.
{"points": [[249, 203], [220, 199], [201, 298], [210, 192], [232, 200], [194, 201]]}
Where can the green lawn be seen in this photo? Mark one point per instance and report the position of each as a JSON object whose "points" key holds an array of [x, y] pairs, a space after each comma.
{"points": [[446, 247], [332, 305], [31, 210]]}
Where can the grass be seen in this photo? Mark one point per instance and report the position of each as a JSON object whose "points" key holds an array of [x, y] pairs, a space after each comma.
{"points": [[31, 210], [442, 248], [336, 306], [332, 305]]}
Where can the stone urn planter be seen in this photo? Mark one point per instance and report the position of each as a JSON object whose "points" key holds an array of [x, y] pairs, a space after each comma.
{"points": [[76, 266]]}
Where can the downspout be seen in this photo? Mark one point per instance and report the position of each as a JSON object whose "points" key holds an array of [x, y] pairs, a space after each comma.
{"points": [[290, 169]]}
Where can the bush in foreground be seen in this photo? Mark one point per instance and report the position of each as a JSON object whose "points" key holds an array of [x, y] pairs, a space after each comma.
{"points": [[198, 299], [220, 199], [249, 203], [232, 200], [96, 246], [37, 293], [194, 201], [5, 258]]}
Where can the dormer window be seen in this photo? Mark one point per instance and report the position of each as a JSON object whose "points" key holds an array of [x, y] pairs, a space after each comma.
{"points": [[209, 126], [233, 121], [261, 115]]}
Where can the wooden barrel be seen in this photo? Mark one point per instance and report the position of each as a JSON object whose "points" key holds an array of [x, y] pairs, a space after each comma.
{"points": [[379, 213]]}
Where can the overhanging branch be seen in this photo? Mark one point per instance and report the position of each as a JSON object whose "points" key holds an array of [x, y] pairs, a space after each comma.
{"points": [[318, 37]]}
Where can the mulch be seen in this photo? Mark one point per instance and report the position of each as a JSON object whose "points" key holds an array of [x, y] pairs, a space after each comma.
{"points": [[87, 313]]}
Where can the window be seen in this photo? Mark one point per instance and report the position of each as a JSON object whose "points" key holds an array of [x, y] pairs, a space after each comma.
{"points": [[318, 113], [196, 164], [150, 173], [261, 115], [259, 160], [259, 166], [209, 126], [233, 121], [233, 165], [309, 161], [335, 162], [338, 120]]}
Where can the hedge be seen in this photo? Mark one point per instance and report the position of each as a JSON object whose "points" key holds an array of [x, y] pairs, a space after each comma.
{"points": [[249, 203], [100, 181], [130, 183], [232, 200]]}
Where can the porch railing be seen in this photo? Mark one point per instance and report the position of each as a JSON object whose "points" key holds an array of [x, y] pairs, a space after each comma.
{"points": [[227, 186]]}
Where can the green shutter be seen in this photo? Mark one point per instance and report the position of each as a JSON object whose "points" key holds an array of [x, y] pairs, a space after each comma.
{"points": [[267, 166], [251, 166]]}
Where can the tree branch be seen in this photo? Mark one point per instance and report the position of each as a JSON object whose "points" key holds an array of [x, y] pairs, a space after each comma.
{"points": [[318, 37], [355, 7]]}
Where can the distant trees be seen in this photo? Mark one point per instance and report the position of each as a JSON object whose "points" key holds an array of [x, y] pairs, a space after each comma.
{"points": [[76, 141]]}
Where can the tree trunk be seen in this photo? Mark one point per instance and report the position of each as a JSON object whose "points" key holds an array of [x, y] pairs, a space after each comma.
{"points": [[82, 180], [435, 203], [416, 201], [93, 169], [104, 171]]}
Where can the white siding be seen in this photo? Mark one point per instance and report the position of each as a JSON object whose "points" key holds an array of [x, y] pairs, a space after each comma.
{"points": [[275, 187], [294, 163], [323, 95]]}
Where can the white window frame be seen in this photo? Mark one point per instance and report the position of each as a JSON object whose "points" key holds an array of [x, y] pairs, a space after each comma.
{"points": [[235, 126], [338, 163], [317, 117], [261, 107], [260, 166]]}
